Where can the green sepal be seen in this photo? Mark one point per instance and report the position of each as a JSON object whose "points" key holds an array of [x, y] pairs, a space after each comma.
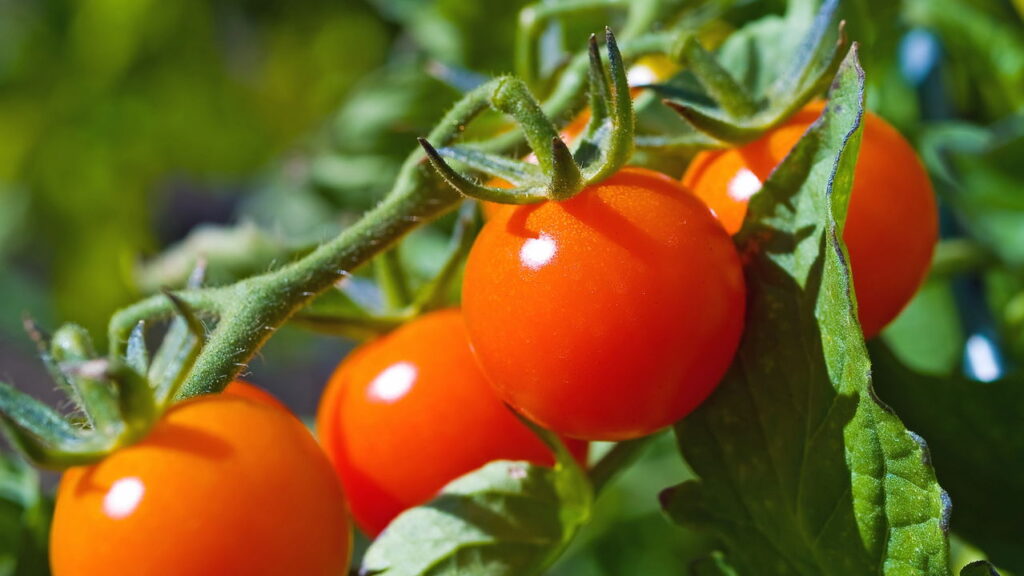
{"points": [[43, 435], [177, 353], [137, 355], [734, 121], [607, 142], [606, 146], [518, 172], [733, 98]]}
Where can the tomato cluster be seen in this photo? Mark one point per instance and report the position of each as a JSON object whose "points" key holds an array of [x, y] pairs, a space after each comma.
{"points": [[604, 317]]}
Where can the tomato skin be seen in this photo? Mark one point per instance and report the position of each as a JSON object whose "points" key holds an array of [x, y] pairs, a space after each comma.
{"points": [[246, 390], [221, 485], [892, 223], [405, 414], [607, 316]]}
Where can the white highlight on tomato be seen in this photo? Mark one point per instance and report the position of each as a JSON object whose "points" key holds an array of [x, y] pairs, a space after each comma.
{"points": [[537, 252], [744, 185], [123, 497], [394, 382]]}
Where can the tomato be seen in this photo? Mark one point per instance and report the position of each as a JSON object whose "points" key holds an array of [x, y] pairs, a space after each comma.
{"points": [[405, 414], [221, 485], [247, 390], [892, 223], [607, 316]]}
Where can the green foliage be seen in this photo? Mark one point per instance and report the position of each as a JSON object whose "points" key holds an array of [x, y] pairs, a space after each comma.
{"points": [[105, 112], [973, 431], [506, 519], [801, 470], [24, 520], [100, 101]]}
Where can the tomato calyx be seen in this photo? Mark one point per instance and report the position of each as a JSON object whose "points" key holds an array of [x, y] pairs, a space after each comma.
{"points": [[560, 173], [117, 399], [742, 115]]}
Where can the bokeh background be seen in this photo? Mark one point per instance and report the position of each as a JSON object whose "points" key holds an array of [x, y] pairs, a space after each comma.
{"points": [[135, 128]]}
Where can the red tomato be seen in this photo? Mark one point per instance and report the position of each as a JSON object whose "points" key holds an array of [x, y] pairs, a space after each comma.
{"points": [[892, 224], [246, 390], [607, 316], [404, 415], [221, 485]]}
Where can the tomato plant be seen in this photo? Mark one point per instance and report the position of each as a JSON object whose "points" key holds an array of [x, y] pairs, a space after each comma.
{"points": [[406, 414], [624, 303], [597, 302], [221, 485], [892, 224]]}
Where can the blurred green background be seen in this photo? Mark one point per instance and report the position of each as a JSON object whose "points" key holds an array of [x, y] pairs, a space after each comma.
{"points": [[127, 124]]}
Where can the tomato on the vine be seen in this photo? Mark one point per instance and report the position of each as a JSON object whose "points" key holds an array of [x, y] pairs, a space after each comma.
{"points": [[892, 223], [405, 414], [222, 485], [610, 315]]}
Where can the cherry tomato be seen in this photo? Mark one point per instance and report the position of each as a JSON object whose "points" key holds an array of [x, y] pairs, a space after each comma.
{"points": [[221, 485], [404, 415], [892, 223], [607, 316], [247, 390]]}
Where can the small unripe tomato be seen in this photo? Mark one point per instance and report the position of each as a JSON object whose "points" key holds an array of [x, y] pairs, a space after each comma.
{"points": [[609, 315], [221, 485], [405, 414], [892, 223]]}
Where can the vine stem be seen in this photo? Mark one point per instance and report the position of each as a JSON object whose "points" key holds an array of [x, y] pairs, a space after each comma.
{"points": [[266, 302], [248, 312], [617, 459]]}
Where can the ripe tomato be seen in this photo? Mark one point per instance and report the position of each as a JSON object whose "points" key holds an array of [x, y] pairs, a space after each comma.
{"points": [[246, 390], [607, 316], [221, 485], [892, 223], [404, 415]]}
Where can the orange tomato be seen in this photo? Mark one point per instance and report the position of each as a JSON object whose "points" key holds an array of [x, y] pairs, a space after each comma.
{"points": [[892, 223], [405, 414], [221, 485], [609, 315], [247, 390]]}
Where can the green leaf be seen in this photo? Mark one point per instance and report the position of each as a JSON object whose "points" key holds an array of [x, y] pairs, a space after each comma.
{"points": [[505, 519], [802, 470], [981, 171], [24, 520], [932, 312], [974, 432]]}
